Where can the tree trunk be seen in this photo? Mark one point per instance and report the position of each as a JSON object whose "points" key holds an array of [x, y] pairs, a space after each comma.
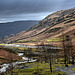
{"points": [[50, 64], [72, 60], [65, 60]]}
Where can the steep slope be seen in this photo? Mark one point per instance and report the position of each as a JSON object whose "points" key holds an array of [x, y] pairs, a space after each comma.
{"points": [[53, 26], [15, 27]]}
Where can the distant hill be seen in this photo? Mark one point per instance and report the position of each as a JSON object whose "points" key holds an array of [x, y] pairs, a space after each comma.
{"points": [[51, 27], [15, 27]]}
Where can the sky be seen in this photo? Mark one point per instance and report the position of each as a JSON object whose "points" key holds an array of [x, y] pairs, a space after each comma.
{"points": [[15, 10]]}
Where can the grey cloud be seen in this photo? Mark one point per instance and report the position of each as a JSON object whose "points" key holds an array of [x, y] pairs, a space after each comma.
{"points": [[27, 6], [16, 8]]}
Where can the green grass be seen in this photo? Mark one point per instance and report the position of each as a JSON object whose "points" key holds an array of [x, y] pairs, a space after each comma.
{"points": [[53, 40], [43, 69], [3, 44], [23, 41], [73, 69], [21, 48], [73, 39]]}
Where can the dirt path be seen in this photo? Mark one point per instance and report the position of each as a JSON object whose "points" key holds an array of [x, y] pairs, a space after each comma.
{"points": [[68, 70]]}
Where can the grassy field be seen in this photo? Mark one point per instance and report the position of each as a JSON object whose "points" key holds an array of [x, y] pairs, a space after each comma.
{"points": [[38, 68]]}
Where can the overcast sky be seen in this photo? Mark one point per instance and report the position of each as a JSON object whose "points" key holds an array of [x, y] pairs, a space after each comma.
{"points": [[14, 10]]}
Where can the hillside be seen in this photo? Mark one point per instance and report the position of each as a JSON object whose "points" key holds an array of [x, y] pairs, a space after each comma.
{"points": [[15, 27], [51, 27], [8, 55]]}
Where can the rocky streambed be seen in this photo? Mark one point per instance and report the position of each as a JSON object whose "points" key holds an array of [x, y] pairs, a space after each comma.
{"points": [[5, 66]]}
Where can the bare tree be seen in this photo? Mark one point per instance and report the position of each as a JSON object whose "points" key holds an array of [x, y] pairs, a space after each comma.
{"points": [[68, 49]]}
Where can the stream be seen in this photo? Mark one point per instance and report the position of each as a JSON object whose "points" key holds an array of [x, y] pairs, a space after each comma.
{"points": [[6, 66]]}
